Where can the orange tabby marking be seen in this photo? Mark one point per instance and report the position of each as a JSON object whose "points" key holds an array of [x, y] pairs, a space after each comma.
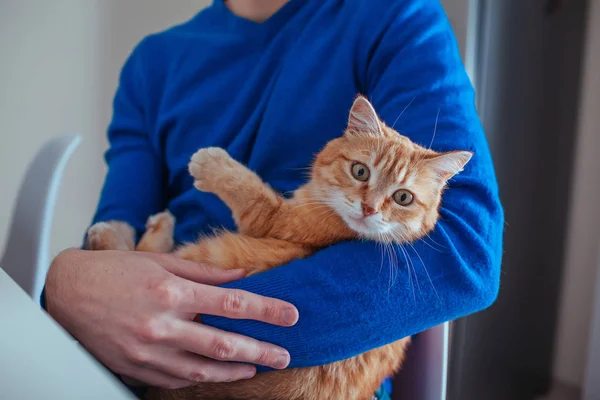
{"points": [[371, 183]]}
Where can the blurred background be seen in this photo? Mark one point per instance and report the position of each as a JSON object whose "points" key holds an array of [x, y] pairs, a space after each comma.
{"points": [[536, 67]]}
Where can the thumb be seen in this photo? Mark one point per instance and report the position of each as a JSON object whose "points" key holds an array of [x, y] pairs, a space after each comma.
{"points": [[201, 273]]}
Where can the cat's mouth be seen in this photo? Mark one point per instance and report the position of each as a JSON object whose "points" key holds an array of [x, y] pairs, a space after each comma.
{"points": [[353, 217], [371, 226], [359, 224], [359, 220]]}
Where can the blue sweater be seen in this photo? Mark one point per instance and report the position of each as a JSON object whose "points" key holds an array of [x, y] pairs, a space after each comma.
{"points": [[272, 94]]}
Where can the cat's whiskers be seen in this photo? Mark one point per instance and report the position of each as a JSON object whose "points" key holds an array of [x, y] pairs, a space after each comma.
{"points": [[435, 128], [394, 266], [391, 270], [412, 285], [325, 199], [432, 139], [380, 244], [405, 108], [399, 233], [428, 236], [384, 254], [396, 234], [411, 267], [425, 268], [428, 244], [419, 161]]}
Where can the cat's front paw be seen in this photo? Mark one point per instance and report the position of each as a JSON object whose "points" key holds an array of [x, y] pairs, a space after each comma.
{"points": [[109, 235], [208, 167], [164, 222], [99, 236]]}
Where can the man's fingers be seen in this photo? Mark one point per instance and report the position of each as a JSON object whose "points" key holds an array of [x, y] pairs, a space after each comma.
{"points": [[225, 346], [155, 378], [193, 368], [237, 304], [200, 273]]}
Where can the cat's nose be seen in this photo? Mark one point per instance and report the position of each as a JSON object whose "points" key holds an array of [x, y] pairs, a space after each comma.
{"points": [[368, 210]]}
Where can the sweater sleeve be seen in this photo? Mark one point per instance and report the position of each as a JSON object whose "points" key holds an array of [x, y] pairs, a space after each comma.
{"points": [[135, 184], [354, 296]]}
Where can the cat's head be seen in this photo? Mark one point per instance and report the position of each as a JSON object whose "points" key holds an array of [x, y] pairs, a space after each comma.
{"points": [[384, 186]]}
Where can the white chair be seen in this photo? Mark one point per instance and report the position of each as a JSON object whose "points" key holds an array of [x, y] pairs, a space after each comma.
{"points": [[27, 253], [27, 259], [425, 371]]}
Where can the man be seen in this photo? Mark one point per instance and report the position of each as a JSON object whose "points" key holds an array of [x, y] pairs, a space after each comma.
{"points": [[272, 81]]}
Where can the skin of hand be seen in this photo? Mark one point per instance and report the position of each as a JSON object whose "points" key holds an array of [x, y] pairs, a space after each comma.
{"points": [[135, 313]]}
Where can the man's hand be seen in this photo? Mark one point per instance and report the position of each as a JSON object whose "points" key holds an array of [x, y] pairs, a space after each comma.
{"points": [[134, 312]]}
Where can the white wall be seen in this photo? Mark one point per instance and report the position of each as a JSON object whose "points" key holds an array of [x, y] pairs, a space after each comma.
{"points": [[49, 87], [458, 14], [59, 66], [584, 221]]}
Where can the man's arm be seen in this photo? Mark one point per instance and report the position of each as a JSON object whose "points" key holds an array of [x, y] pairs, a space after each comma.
{"points": [[352, 297], [134, 311]]}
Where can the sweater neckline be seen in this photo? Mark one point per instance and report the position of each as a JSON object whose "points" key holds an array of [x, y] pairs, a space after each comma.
{"points": [[271, 25]]}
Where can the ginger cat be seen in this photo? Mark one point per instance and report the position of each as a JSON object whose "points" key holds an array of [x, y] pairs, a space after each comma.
{"points": [[371, 183]]}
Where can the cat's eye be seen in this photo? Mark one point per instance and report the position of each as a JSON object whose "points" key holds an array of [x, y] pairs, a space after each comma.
{"points": [[360, 172], [403, 197]]}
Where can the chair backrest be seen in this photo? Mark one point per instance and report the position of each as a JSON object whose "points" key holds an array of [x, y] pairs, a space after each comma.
{"points": [[27, 255], [425, 372]]}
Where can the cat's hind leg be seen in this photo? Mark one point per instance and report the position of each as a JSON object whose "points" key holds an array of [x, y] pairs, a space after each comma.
{"points": [[110, 235], [252, 202], [158, 237]]}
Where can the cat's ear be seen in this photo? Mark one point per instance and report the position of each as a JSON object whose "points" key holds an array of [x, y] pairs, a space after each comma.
{"points": [[446, 165], [363, 118]]}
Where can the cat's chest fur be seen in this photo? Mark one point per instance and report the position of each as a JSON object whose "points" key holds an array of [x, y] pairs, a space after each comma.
{"points": [[306, 221]]}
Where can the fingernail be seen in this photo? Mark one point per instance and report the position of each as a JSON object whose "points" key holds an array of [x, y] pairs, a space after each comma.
{"points": [[290, 316], [236, 271], [282, 361], [249, 373]]}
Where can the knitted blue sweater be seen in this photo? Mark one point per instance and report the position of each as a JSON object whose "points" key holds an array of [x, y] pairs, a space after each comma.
{"points": [[272, 94]]}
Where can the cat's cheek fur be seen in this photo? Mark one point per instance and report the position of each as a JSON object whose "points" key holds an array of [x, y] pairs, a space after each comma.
{"points": [[415, 227]]}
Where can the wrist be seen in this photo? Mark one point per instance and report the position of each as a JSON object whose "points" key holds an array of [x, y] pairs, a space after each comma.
{"points": [[58, 274]]}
